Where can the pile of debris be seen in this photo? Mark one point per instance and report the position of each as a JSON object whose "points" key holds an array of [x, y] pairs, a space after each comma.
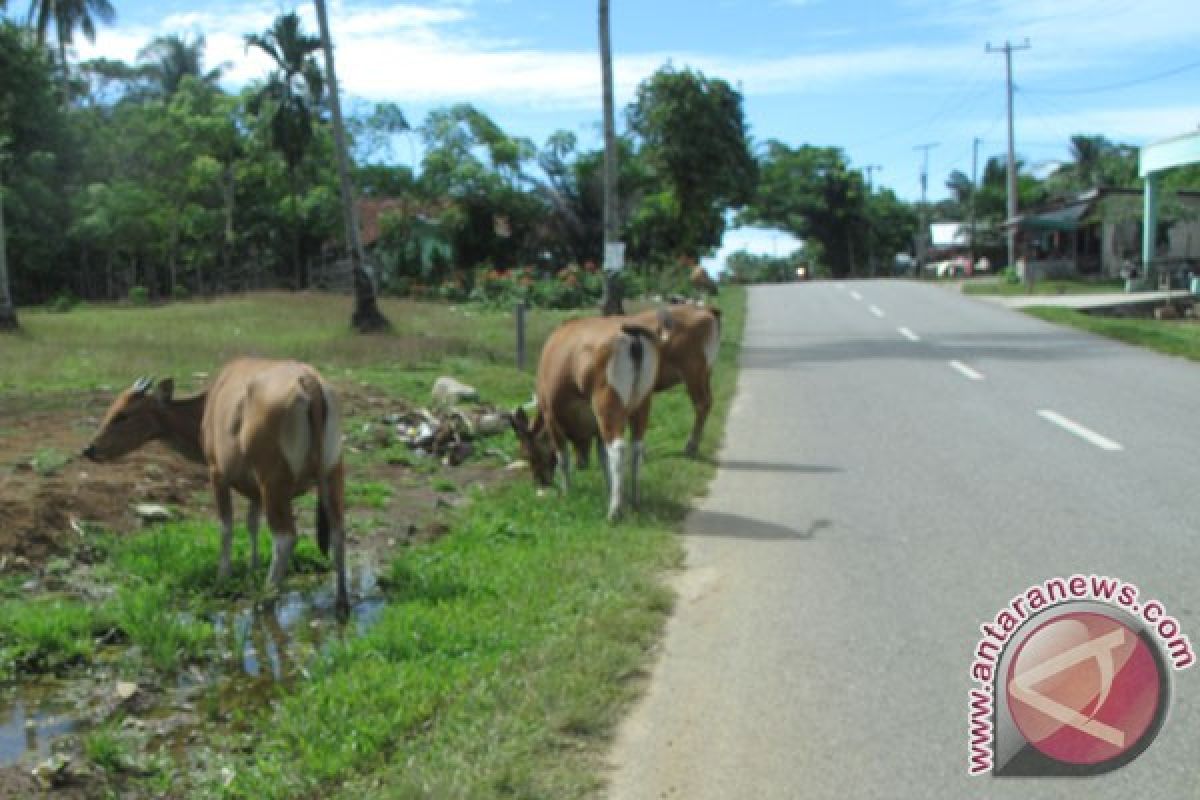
{"points": [[448, 434]]}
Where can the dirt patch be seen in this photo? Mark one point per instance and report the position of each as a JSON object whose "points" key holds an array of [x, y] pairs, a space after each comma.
{"points": [[48, 492]]}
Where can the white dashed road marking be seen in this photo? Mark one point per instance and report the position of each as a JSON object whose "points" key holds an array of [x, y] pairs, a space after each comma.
{"points": [[1103, 442]]}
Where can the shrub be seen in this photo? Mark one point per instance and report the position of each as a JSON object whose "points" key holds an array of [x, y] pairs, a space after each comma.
{"points": [[139, 296], [180, 292], [63, 303]]}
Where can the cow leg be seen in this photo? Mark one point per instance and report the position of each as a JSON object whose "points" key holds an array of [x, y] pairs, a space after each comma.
{"points": [[602, 459], [699, 390], [253, 517], [581, 452], [224, 500], [637, 425], [610, 415], [333, 492], [283, 537]]}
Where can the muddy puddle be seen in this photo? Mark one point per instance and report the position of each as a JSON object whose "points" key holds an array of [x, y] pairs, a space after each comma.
{"points": [[260, 649]]}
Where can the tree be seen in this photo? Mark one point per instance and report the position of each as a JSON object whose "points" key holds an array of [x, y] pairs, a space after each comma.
{"points": [[366, 317], [693, 133], [8, 309], [67, 17], [289, 100], [611, 303], [812, 192], [173, 58]]}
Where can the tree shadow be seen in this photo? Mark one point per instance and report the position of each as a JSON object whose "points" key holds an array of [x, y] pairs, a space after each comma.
{"points": [[723, 524]]}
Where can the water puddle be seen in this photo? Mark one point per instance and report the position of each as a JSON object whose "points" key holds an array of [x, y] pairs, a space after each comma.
{"points": [[259, 649]]}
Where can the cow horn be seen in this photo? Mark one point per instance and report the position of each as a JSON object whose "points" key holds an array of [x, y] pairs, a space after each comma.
{"points": [[143, 384]]}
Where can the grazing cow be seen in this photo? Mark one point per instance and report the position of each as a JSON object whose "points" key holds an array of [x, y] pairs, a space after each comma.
{"points": [[269, 429], [687, 356], [595, 376], [702, 282]]}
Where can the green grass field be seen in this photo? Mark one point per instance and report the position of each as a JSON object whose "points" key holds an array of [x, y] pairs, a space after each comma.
{"points": [[507, 650], [1003, 288], [1172, 337]]}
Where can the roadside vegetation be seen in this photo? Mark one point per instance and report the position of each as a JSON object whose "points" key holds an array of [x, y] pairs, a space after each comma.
{"points": [[1001, 287], [503, 650], [1172, 337]]}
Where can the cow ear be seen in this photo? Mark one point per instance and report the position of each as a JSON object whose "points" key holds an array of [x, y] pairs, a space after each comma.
{"points": [[164, 390]]}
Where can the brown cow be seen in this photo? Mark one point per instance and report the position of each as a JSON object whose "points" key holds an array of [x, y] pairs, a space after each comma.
{"points": [[688, 356], [269, 429], [595, 376]]}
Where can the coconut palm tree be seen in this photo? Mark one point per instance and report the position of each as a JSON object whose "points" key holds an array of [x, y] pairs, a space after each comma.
{"points": [[173, 58], [68, 16], [367, 316], [289, 99]]}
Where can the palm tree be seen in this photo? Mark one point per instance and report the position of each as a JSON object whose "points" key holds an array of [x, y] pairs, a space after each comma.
{"points": [[290, 98], [67, 17], [612, 287], [960, 187], [173, 58], [1088, 152], [366, 317]]}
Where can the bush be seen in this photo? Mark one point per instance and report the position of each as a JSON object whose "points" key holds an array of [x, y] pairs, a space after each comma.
{"points": [[1010, 276], [139, 296], [63, 303], [180, 292]]}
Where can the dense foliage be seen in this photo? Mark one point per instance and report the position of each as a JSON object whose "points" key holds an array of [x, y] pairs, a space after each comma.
{"points": [[147, 181]]}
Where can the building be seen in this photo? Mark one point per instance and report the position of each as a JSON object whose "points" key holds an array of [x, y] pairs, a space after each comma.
{"points": [[1098, 233]]}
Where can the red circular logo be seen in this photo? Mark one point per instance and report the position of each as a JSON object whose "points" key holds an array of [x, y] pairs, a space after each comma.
{"points": [[1084, 688]]}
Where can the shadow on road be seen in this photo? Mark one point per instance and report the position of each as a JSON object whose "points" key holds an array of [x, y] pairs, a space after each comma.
{"points": [[770, 466], [735, 526], [1046, 347]]}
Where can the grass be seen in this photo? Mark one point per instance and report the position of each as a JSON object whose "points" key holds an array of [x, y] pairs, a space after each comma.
{"points": [[1043, 287], [107, 348], [507, 650], [1176, 338], [46, 634], [47, 461]]}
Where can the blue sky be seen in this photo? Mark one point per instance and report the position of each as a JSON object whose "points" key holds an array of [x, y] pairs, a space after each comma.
{"points": [[875, 78]]}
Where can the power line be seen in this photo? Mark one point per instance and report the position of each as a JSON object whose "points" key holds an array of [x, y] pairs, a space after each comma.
{"points": [[1123, 85]]}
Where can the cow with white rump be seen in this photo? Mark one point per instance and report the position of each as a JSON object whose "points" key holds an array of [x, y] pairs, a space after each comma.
{"points": [[271, 430], [595, 377]]}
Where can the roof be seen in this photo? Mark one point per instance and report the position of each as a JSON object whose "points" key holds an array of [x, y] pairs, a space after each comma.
{"points": [[1062, 219], [949, 234]]}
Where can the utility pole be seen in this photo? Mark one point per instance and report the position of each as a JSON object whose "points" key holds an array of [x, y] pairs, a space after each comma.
{"points": [[1008, 49], [974, 191], [923, 233], [870, 169]]}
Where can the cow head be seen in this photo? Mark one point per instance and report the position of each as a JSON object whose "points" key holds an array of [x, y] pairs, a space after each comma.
{"points": [[133, 419], [536, 447]]}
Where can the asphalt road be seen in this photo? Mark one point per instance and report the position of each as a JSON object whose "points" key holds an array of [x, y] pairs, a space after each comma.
{"points": [[890, 481]]}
